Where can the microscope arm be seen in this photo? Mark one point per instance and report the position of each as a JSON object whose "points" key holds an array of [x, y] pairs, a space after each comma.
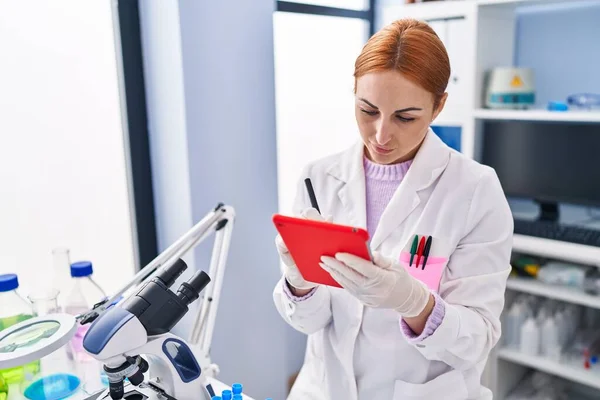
{"points": [[204, 324], [219, 220], [169, 357]]}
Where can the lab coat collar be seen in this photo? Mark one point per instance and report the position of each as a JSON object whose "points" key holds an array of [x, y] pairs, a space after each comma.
{"points": [[350, 171], [428, 164]]}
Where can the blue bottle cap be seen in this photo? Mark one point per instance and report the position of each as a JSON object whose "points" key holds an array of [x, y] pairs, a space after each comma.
{"points": [[216, 398], [236, 388], [237, 397], [81, 268], [226, 394], [557, 106], [8, 282]]}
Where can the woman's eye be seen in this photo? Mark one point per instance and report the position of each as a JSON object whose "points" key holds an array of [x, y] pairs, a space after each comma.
{"points": [[404, 119], [368, 112]]}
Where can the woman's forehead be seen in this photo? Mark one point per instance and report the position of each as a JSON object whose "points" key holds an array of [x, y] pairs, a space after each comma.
{"points": [[391, 89]]}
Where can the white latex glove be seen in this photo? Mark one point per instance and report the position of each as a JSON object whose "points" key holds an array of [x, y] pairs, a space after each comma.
{"points": [[382, 284], [290, 271]]}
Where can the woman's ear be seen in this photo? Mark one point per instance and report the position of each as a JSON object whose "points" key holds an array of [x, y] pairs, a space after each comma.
{"points": [[440, 106]]}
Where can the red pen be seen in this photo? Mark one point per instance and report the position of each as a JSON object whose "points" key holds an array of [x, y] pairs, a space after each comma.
{"points": [[420, 250]]}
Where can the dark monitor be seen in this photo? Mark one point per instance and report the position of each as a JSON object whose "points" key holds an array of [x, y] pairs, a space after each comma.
{"points": [[546, 162]]}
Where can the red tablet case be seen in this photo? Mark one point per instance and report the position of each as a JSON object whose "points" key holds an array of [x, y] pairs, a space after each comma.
{"points": [[308, 240]]}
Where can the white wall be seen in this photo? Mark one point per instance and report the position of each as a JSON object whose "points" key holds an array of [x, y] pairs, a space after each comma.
{"points": [[210, 83], [63, 170], [163, 74]]}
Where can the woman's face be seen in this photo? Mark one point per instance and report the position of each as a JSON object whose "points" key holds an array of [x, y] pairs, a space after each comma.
{"points": [[393, 115]]}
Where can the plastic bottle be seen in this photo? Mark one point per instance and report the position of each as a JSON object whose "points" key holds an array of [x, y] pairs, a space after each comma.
{"points": [[520, 314], [549, 345], [14, 309], [82, 296], [530, 337], [513, 325], [543, 314], [561, 321]]}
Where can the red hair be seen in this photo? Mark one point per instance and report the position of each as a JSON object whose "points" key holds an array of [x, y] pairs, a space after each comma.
{"points": [[412, 48]]}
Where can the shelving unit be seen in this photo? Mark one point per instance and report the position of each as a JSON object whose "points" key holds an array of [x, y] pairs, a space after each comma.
{"points": [[555, 249], [469, 29], [562, 293], [572, 373], [537, 115]]}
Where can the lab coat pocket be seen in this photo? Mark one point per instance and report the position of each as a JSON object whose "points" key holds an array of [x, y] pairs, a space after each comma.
{"points": [[430, 275], [448, 386]]}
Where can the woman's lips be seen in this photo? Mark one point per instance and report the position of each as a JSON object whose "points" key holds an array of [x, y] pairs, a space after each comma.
{"points": [[382, 150]]}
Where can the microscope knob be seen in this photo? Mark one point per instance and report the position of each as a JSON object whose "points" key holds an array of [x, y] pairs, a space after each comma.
{"points": [[144, 365], [136, 378]]}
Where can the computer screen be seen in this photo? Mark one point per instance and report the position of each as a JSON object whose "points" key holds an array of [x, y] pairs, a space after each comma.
{"points": [[546, 162]]}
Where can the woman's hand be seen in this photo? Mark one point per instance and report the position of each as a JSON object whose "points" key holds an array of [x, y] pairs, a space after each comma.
{"points": [[298, 285], [381, 284]]}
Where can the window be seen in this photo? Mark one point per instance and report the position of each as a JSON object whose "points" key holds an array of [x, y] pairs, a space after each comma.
{"points": [[347, 4], [315, 51]]}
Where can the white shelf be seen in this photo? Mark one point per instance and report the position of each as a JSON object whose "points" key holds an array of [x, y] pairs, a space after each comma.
{"points": [[460, 8], [563, 293], [519, 2], [565, 251], [538, 115], [432, 10], [570, 372]]}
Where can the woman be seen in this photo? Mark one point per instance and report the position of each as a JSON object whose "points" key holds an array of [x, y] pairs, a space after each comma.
{"points": [[386, 334]]}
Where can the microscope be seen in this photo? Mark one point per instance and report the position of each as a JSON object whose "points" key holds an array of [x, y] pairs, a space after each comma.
{"points": [[132, 337]]}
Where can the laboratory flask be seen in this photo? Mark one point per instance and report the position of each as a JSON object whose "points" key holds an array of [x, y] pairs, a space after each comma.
{"points": [[56, 378], [61, 265]]}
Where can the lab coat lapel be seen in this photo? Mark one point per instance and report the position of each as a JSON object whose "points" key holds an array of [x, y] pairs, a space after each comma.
{"points": [[430, 161], [352, 193]]}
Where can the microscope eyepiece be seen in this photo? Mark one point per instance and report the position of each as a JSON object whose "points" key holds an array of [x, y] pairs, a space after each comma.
{"points": [[190, 290], [170, 274]]}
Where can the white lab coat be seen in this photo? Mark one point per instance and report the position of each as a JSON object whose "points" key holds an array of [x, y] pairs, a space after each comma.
{"points": [[446, 195]]}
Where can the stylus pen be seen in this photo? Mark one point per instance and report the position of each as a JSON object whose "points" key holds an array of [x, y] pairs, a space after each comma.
{"points": [[311, 194]]}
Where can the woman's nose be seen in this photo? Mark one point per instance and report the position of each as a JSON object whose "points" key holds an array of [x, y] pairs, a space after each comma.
{"points": [[383, 135]]}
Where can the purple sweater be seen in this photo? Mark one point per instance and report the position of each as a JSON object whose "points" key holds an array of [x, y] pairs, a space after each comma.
{"points": [[381, 181]]}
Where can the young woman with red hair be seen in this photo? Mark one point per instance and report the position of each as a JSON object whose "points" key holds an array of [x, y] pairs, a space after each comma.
{"points": [[399, 328]]}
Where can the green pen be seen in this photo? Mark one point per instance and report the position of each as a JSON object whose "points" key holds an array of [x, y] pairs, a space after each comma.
{"points": [[413, 249]]}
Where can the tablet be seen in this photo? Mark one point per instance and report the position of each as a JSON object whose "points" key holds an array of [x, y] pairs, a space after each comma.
{"points": [[308, 240]]}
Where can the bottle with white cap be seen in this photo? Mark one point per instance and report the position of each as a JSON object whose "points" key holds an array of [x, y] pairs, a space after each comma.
{"points": [[550, 346], [530, 337], [82, 296], [514, 321]]}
